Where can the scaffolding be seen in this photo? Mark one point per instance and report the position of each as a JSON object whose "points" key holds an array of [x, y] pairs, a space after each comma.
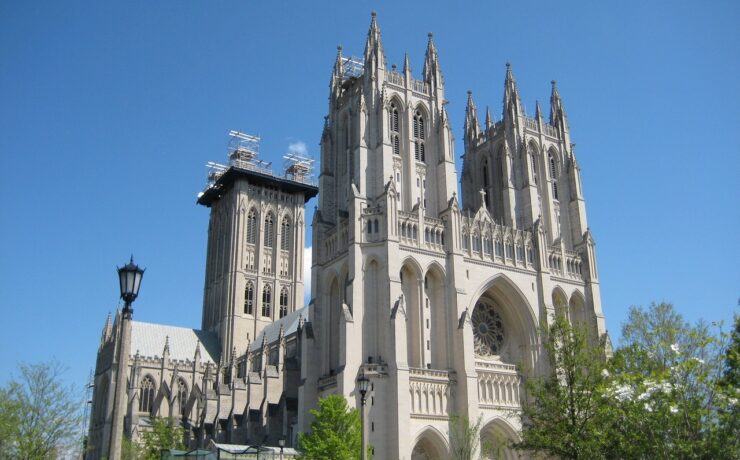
{"points": [[243, 152], [353, 67], [298, 168]]}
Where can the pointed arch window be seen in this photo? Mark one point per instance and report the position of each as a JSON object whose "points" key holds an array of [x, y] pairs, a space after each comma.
{"points": [[394, 128], [553, 175], [146, 395], [266, 301], [182, 397], [252, 227], [283, 302], [249, 299], [285, 234], [393, 119], [419, 150], [269, 230], [533, 160]]}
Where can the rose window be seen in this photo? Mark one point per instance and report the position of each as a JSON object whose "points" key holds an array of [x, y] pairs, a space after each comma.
{"points": [[488, 330]]}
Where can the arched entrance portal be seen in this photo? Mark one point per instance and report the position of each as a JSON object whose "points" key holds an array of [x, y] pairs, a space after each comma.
{"points": [[430, 445], [497, 438]]}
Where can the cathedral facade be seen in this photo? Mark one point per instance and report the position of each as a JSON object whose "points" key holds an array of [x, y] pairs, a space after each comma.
{"points": [[435, 298]]}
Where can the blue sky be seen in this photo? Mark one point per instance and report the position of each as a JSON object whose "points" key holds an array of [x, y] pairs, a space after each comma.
{"points": [[109, 112]]}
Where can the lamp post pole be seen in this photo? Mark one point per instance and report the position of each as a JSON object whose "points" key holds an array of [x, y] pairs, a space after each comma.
{"points": [[363, 384], [130, 280]]}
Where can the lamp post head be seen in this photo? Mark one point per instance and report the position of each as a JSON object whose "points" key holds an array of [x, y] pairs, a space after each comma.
{"points": [[129, 278], [363, 384]]}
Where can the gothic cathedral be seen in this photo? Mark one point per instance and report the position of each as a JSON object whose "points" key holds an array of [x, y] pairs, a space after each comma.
{"points": [[435, 298]]}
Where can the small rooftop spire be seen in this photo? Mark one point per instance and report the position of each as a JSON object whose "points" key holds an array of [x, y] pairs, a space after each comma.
{"points": [[432, 72], [537, 110], [557, 111], [406, 63], [166, 349], [489, 118], [472, 127], [374, 54], [511, 94]]}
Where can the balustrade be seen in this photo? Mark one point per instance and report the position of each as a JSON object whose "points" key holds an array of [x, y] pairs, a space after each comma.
{"points": [[431, 392], [499, 385]]}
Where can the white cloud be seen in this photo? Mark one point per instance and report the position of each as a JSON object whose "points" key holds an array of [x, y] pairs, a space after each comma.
{"points": [[307, 275], [298, 148]]}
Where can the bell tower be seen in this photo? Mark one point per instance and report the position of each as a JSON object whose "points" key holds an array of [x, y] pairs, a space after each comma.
{"points": [[256, 236]]}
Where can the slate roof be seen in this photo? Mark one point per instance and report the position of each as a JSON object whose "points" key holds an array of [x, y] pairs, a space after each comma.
{"points": [[148, 340], [289, 322]]}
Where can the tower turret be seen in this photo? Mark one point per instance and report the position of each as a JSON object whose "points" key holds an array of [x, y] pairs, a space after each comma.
{"points": [[512, 104], [374, 55], [432, 71], [471, 127]]}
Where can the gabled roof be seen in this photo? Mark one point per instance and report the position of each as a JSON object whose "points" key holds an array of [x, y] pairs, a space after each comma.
{"points": [[148, 340], [272, 331]]}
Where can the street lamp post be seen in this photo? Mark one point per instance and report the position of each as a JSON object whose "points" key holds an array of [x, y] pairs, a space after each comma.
{"points": [[363, 384], [129, 277], [281, 443]]}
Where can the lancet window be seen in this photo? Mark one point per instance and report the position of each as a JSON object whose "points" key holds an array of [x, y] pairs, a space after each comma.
{"points": [[266, 301], [394, 128], [283, 302], [249, 298], [252, 227], [285, 234], [146, 395], [419, 150], [554, 176], [269, 230]]}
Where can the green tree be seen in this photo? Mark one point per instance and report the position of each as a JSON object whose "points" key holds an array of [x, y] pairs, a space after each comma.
{"points": [[665, 399], [165, 433], [561, 417], [40, 417], [465, 440], [335, 432]]}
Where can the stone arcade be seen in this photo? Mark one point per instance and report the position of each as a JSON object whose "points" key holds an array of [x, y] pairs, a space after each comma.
{"points": [[435, 298]]}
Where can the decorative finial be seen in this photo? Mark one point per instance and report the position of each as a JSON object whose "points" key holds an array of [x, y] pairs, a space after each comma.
{"points": [[553, 82], [508, 65], [373, 13], [430, 35], [470, 93], [339, 48]]}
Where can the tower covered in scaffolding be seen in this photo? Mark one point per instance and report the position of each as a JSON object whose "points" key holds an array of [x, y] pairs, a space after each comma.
{"points": [[256, 237]]}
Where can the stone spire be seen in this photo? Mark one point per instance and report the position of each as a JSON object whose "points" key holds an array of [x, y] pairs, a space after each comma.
{"points": [[166, 350], [512, 106], [537, 110], [196, 355], [406, 63], [489, 118], [107, 329], [374, 55], [472, 127], [432, 71], [557, 111]]}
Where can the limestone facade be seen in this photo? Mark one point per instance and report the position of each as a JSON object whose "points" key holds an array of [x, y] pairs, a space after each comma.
{"points": [[435, 297]]}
